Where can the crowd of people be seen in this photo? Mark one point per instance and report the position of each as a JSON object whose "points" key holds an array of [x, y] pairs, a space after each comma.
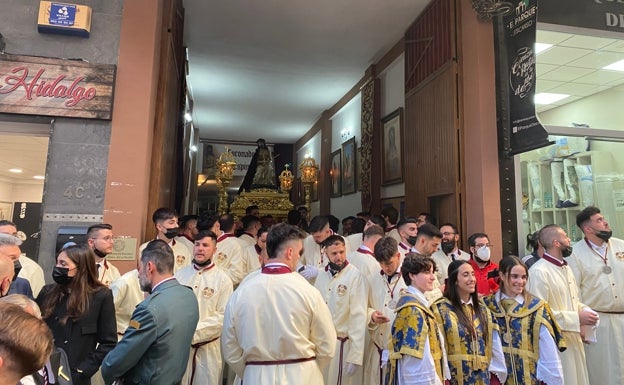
{"points": [[389, 301]]}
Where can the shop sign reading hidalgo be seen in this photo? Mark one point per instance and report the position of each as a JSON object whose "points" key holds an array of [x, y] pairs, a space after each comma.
{"points": [[526, 131], [56, 87], [605, 15]]}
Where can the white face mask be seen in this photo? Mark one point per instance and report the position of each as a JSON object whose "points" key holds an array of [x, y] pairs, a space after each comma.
{"points": [[484, 253]]}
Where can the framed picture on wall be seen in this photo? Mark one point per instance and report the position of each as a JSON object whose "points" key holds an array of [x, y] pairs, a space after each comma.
{"points": [[392, 148], [349, 150], [334, 173]]}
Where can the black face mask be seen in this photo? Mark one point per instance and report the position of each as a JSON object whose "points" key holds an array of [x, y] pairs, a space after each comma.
{"points": [[17, 267], [171, 233], [202, 264], [566, 252], [334, 268], [59, 275], [605, 235], [411, 240], [99, 253], [447, 246]]}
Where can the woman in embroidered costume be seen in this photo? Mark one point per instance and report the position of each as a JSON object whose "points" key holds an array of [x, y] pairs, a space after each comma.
{"points": [[416, 350], [531, 335], [475, 353]]}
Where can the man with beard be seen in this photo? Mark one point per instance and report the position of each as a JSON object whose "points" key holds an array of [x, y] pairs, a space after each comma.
{"points": [[448, 252], [553, 281], [313, 258], [154, 348], [597, 266], [486, 271], [166, 223], [213, 289], [343, 287], [408, 229], [427, 242], [100, 240]]}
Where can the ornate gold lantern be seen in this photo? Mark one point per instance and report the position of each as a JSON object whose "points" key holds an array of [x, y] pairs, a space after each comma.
{"points": [[309, 176], [224, 175]]}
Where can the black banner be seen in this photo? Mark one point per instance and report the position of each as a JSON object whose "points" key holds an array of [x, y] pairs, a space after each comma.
{"points": [[516, 39], [606, 15]]}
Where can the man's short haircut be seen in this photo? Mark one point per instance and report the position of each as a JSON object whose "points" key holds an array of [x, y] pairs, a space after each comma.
{"points": [[415, 264], [251, 208], [93, 229], [350, 217], [317, 224], [226, 221], [357, 226], [429, 218], [472, 240], [548, 234], [24, 302], [333, 240], [406, 221], [5, 222], [249, 221], [206, 233], [163, 259], [334, 223], [163, 214], [294, 217], [392, 213], [428, 230], [25, 340], [184, 220], [279, 235], [378, 220], [374, 230], [156, 244], [386, 248], [451, 225], [585, 215], [262, 230], [9, 240], [206, 220]]}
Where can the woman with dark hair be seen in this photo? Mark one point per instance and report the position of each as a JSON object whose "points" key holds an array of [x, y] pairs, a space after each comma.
{"points": [[531, 335], [80, 312], [475, 354], [537, 251]]}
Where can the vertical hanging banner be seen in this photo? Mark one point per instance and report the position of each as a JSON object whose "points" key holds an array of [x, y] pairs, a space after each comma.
{"points": [[525, 130]]}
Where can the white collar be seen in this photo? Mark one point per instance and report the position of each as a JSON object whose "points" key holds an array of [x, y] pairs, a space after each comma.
{"points": [[419, 295], [501, 296]]}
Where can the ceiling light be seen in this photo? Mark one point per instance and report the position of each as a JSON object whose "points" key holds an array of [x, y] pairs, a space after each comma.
{"points": [[188, 117], [548, 98], [617, 66], [193, 148], [39, 177], [541, 47], [15, 170]]}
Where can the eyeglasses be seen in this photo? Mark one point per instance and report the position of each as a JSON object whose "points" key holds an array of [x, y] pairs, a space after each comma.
{"points": [[446, 234], [480, 245], [105, 239]]}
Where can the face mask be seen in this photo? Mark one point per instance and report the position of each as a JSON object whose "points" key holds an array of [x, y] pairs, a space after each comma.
{"points": [[17, 267], [566, 252], [604, 235], [483, 253], [171, 233], [99, 253], [411, 240], [334, 268], [59, 275], [202, 264], [447, 246]]}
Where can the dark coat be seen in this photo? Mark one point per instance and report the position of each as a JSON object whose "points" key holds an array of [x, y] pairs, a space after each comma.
{"points": [[87, 339]]}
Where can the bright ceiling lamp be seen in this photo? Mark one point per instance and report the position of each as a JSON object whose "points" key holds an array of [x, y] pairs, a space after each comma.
{"points": [[15, 170], [541, 47], [617, 66], [548, 98]]}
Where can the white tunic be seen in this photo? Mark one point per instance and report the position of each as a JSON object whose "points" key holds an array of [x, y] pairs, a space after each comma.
{"points": [[345, 294], [247, 240], [557, 286], [229, 257], [275, 317], [364, 260], [107, 272], [250, 259], [127, 295], [312, 254], [382, 296], [181, 254], [213, 289], [190, 245], [32, 272], [353, 241], [603, 293], [394, 233], [443, 261]]}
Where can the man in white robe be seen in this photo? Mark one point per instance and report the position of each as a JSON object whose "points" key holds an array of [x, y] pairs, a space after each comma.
{"points": [[408, 230], [166, 223], [313, 259], [343, 287], [363, 258], [229, 255], [598, 266], [385, 288], [448, 252], [213, 289], [277, 328], [552, 280], [391, 215], [252, 255]]}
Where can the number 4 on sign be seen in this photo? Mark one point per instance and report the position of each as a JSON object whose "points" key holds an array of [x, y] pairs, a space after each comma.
{"points": [[74, 192]]}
